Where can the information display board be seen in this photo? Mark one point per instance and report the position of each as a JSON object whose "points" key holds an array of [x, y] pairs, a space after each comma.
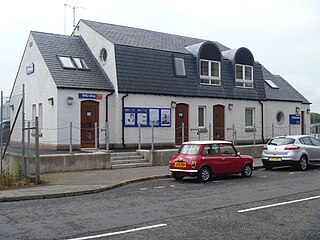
{"points": [[146, 117]]}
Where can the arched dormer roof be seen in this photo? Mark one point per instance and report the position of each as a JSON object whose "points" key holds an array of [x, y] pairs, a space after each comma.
{"points": [[239, 56], [205, 50]]}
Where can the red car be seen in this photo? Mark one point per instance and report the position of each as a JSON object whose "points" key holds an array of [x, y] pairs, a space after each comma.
{"points": [[203, 159]]}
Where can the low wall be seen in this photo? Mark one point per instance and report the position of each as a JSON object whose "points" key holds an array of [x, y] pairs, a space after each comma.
{"points": [[162, 157], [59, 162]]}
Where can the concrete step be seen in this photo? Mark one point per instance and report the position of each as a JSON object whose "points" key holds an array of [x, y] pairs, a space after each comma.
{"points": [[131, 165], [127, 157], [127, 161], [120, 154]]}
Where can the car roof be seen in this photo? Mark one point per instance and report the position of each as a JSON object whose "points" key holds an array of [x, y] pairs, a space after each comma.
{"points": [[293, 136], [207, 142]]}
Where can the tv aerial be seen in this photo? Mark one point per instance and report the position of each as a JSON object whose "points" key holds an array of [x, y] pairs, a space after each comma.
{"points": [[74, 15]]}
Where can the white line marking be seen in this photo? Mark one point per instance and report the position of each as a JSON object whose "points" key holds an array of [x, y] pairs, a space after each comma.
{"points": [[142, 189], [120, 232], [160, 187], [278, 204]]}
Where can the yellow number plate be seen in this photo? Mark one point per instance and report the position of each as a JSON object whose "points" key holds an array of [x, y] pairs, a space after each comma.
{"points": [[275, 158], [180, 164]]}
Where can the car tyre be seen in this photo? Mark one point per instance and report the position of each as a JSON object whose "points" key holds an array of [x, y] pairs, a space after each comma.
{"points": [[303, 163], [204, 174], [267, 166], [247, 170], [177, 176]]}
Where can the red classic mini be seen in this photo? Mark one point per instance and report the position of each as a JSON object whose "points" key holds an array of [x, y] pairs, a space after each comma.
{"points": [[203, 159]]}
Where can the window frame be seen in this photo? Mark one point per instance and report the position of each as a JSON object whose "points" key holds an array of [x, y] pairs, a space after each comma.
{"points": [[243, 81], [84, 65], [60, 57], [252, 118], [203, 117], [179, 62], [211, 79]]}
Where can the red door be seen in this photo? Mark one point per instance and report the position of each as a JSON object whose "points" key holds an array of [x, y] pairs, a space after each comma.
{"points": [[89, 116], [302, 123], [218, 122], [182, 111]]}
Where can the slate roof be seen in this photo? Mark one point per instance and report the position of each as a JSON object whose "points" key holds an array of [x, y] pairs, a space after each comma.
{"points": [[52, 45], [142, 38], [284, 92]]}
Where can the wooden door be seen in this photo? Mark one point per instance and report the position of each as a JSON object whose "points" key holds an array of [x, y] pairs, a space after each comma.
{"points": [[182, 116], [218, 122], [89, 116], [302, 123]]}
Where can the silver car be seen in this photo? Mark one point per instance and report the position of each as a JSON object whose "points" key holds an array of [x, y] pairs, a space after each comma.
{"points": [[296, 150]]}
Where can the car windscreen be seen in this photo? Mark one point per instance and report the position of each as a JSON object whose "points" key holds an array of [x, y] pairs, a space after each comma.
{"points": [[281, 141], [189, 149]]}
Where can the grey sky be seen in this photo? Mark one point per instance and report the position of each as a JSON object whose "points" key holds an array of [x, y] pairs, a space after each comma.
{"points": [[283, 35]]}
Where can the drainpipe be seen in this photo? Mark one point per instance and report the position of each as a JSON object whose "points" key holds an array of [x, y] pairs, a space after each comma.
{"points": [[262, 123], [122, 99], [107, 106]]}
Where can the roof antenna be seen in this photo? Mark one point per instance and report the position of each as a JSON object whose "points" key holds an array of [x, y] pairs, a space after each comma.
{"points": [[74, 15]]}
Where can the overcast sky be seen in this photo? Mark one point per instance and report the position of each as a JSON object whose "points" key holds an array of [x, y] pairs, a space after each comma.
{"points": [[283, 35]]}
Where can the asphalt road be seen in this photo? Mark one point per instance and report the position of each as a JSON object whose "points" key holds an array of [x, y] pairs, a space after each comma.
{"points": [[278, 204]]}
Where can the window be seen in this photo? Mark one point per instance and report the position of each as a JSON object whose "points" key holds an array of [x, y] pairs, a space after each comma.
{"points": [[249, 117], [40, 119], [66, 62], [210, 72], [244, 76], [280, 118], [201, 116], [34, 111], [271, 84], [179, 67], [103, 55], [80, 63]]}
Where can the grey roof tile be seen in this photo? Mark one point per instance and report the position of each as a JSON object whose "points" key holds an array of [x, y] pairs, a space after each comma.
{"points": [[52, 45], [284, 92]]}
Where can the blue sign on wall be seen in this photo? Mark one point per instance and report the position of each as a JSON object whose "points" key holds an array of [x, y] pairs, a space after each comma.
{"points": [[30, 69], [294, 119], [90, 95]]}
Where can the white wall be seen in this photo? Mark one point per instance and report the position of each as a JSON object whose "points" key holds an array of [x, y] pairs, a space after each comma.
{"points": [[39, 86], [72, 113], [270, 122]]}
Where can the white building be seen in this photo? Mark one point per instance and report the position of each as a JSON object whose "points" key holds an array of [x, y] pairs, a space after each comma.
{"points": [[130, 77]]}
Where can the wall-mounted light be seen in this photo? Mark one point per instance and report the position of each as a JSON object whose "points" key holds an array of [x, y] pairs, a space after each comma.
{"points": [[12, 107], [50, 101], [173, 104], [297, 109], [70, 100], [308, 111], [230, 106]]}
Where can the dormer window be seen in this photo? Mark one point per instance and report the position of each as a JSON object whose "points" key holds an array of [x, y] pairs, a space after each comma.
{"points": [[210, 72], [80, 63], [244, 76], [73, 63]]}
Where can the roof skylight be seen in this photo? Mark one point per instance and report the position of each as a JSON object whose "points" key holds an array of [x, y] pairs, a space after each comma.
{"points": [[66, 62], [271, 83]]}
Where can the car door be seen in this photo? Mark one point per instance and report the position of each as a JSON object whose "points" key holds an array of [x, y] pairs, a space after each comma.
{"points": [[309, 148], [212, 157], [316, 149], [231, 162]]}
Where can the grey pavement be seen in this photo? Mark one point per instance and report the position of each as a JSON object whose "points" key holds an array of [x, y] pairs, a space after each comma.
{"points": [[66, 184]]}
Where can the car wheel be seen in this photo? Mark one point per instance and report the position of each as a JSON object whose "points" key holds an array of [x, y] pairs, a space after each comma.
{"points": [[303, 163], [267, 166], [177, 176], [247, 170], [204, 174]]}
